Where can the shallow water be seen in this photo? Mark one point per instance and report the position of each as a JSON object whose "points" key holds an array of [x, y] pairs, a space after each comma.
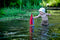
{"points": [[19, 29]]}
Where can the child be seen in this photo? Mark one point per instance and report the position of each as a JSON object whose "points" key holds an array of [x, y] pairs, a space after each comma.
{"points": [[44, 22], [44, 16]]}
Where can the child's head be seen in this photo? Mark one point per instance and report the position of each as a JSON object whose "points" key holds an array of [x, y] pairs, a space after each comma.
{"points": [[42, 10]]}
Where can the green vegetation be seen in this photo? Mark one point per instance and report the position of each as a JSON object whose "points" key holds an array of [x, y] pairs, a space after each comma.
{"points": [[9, 12], [27, 4], [17, 7], [50, 3]]}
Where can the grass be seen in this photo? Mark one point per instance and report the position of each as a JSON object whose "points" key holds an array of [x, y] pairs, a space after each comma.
{"points": [[5, 12]]}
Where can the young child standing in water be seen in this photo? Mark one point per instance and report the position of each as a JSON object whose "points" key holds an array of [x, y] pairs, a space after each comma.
{"points": [[44, 16], [44, 22]]}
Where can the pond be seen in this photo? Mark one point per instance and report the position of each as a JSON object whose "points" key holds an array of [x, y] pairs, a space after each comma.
{"points": [[19, 29]]}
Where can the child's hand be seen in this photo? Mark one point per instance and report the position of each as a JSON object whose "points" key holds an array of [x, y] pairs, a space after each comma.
{"points": [[33, 17], [49, 14]]}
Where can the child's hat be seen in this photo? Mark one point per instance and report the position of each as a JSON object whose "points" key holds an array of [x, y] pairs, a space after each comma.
{"points": [[42, 9]]}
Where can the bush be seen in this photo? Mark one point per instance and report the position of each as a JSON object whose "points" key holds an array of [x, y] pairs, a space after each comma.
{"points": [[51, 3], [11, 11]]}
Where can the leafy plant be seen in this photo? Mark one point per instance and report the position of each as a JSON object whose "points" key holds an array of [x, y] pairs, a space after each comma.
{"points": [[43, 3], [12, 11], [50, 3], [12, 4], [28, 5]]}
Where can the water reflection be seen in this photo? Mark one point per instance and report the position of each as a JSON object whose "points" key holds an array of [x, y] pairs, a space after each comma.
{"points": [[19, 29]]}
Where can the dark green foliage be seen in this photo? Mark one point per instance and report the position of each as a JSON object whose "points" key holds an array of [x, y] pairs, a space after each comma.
{"points": [[29, 4], [10, 12], [16, 6]]}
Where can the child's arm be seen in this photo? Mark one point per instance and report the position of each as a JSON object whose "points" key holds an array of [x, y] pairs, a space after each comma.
{"points": [[48, 14], [37, 16]]}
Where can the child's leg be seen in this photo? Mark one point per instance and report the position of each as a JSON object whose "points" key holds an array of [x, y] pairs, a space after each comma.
{"points": [[44, 31], [44, 35]]}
